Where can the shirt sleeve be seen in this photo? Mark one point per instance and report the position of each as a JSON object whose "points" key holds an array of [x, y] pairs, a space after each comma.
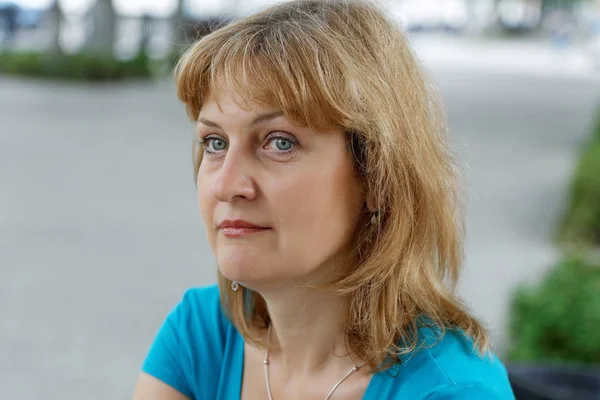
{"points": [[166, 358], [467, 391]]}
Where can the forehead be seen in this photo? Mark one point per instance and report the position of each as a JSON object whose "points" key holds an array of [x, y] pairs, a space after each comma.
{"points": [[255, 90], [228, 108], [224, 99]]}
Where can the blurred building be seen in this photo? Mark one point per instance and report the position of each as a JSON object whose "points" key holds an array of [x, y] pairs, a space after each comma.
{"points": [[520, 15], [431, 15], [468, 16]]}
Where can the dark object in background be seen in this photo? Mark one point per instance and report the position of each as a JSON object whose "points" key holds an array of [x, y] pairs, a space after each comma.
{"points": [[10, 14], [203, 27], [195, 30], [16, 17], [554, 383]]}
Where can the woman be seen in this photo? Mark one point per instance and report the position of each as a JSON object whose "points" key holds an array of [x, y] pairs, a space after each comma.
{"points": [[331, 204]]}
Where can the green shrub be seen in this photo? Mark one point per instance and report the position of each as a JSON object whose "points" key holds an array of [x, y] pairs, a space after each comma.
{"points": [[581, 222], [80, 66], [558, 321]]}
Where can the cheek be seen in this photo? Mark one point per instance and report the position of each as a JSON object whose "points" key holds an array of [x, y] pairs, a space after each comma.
{"points": [[321, 212], [206, 206]]}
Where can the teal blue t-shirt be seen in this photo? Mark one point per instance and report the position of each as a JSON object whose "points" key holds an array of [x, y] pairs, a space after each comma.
{"points": [[200, 353]]}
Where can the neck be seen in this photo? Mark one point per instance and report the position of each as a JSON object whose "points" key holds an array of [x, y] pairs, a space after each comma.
{"points": [[307, 330]]}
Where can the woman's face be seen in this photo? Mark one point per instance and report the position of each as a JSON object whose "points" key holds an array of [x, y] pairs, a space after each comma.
{"points": [[279, 201]]}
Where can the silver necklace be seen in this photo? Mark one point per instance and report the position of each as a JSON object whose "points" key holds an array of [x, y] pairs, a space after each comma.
{"points": [[266, 368]]}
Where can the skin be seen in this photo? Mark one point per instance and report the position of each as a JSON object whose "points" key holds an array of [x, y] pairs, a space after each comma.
{"points": [[303, 188]]}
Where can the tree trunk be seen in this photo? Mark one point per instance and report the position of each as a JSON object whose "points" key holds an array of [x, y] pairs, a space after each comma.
{"points": [[104, 22], [56, 23], [473, 23], [179, 26]]}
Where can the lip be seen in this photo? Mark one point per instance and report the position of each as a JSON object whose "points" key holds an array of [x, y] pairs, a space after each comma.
{"points": [[239, 228]]}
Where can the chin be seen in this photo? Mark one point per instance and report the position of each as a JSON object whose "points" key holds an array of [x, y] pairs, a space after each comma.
{"points": [[238, 263], [253, 272]]}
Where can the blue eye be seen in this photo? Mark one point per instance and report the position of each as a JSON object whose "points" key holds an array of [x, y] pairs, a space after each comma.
{"points": [[280, 144], [218, 144], [212, 145], [283, 144]]}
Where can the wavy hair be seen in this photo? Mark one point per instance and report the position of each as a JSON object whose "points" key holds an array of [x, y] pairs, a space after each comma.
{"points": [[344, 64]]}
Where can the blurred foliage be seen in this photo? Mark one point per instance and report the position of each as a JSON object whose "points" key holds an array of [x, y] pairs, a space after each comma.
{"points": [[558, 321], [581, 222], [78, 67]]}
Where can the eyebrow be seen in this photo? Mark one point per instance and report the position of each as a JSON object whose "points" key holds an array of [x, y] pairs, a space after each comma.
{"points": [[257, 120]]}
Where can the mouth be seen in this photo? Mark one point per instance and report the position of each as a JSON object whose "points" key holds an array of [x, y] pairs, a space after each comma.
{"points": [[239, 228]]}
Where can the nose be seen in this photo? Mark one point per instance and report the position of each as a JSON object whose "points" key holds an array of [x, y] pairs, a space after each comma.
{"points": [[234, 178]]}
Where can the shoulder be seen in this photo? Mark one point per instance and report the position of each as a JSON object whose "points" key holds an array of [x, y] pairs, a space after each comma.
{"points": [[192, 339], [201, 302], [448, 368], [198, 315], [461, 372], [199, 312]]}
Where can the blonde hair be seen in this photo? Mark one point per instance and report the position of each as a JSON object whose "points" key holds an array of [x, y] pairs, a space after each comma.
{"points": [[345, 64]]}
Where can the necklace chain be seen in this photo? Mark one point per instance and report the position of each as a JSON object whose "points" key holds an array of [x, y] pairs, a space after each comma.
{"points": [[266, 368]]}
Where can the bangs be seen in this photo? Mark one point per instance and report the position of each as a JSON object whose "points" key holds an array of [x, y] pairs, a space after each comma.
{"points": [[279, 66]]}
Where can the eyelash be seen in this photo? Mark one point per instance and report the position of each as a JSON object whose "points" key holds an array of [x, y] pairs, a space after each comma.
{"points": [[270, 138]]}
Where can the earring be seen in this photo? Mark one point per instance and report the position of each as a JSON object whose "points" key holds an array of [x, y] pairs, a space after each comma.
{"points": [[374, 218], [234, 286]]}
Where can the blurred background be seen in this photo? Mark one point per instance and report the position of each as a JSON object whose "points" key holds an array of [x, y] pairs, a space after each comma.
{"points": [[99, 229]]}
